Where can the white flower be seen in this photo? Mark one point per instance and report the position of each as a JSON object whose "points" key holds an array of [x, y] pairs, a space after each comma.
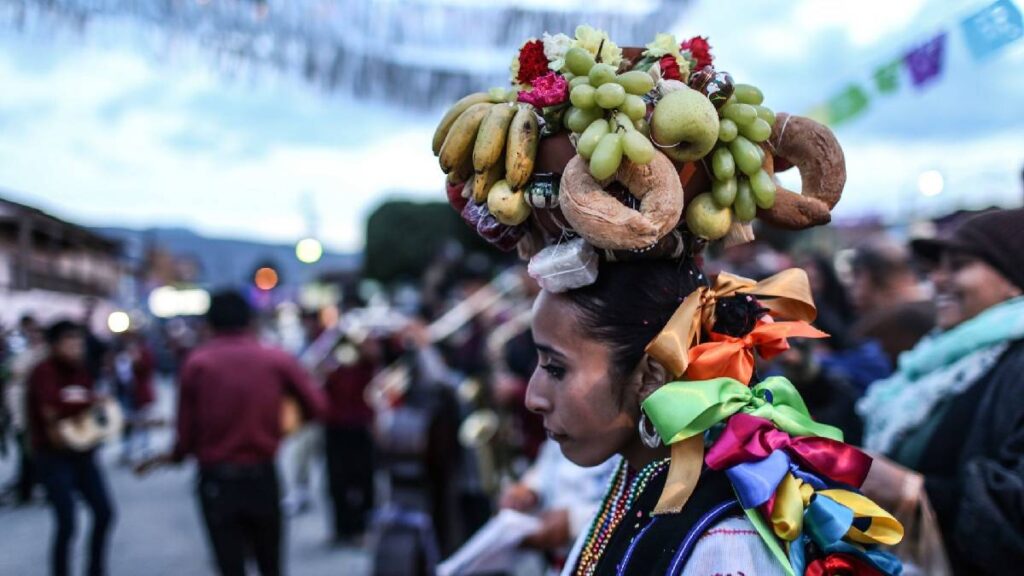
{"points": [[555, 48], [663, 44], [592, 40], [655, 72]]}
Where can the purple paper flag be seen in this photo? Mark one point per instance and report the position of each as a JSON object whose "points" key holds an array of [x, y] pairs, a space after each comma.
{"points": [[926, 61]]}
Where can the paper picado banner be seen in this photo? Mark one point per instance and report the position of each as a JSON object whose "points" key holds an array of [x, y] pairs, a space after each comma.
{"points": [[992, 28], [986, 32], [926, 61]]}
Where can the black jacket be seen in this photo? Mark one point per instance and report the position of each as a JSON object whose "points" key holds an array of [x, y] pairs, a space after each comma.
{"points": [[974, 471]]}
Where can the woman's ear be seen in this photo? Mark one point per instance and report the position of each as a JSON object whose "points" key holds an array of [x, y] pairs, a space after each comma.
{"points": [[652, 376]]}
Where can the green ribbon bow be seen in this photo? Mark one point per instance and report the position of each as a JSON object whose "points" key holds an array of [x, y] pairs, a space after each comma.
{"points": [[680, 410]]}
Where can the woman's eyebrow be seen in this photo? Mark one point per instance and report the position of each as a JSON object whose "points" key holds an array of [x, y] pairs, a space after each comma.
{"points": [[548, 350]]}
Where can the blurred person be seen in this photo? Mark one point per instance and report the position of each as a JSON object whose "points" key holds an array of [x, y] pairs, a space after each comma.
{"points": [[230, 412], [843, 357], [513, 358], [829, 397], [565, 497], [883, 275], [30, 351], [95, 347], [132, 367], [894, 307], [306, 444], [417, 447], [348, 440], [948, 424], [835, 312], [61, 387]]}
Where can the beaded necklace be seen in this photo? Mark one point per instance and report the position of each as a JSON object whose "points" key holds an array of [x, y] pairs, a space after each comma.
{"points": [[622, 493]]}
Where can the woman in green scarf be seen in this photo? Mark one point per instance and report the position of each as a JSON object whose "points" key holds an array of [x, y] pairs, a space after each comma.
{"points": [[950, 421]]}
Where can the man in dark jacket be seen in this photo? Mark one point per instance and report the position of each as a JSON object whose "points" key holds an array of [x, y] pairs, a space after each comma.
{"points": [[230, 409]]}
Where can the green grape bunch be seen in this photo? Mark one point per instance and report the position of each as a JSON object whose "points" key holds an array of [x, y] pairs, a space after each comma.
{"points": [[608, 113], [740, 181]]}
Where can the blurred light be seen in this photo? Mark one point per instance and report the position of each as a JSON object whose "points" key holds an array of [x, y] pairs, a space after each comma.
{"points": [[309, 250], [168, 302], [930, 183], [118, 322], [346, 355], [265, 278]]}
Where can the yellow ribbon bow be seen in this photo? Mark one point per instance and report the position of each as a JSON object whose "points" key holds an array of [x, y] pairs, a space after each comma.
{"points": [[794, 496], [785, 295]]}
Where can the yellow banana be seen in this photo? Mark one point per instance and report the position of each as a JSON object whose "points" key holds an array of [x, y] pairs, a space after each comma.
{"points": [[463, 171], [490, 139], [459, 142], [521, 149], [441, 132], [482, 182]]}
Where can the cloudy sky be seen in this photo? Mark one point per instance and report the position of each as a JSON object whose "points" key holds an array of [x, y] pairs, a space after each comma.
{"points": [[106, 129]]}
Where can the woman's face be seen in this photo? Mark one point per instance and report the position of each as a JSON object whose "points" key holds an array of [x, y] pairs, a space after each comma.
{"points": [[966, 286], [589, 414]]}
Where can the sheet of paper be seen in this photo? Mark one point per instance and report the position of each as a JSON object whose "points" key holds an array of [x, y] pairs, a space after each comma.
{"points": [[493, 546]]}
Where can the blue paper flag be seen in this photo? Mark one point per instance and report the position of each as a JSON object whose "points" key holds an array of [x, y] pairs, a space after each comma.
{"points": [[992, 28]]}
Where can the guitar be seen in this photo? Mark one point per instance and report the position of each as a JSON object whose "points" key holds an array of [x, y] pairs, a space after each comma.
{"points": [[90, 428]]}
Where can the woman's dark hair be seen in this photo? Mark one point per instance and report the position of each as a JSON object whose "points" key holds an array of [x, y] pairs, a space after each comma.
{"points": [[61, 329], [736, 316], [631, 302], [229, 312]]}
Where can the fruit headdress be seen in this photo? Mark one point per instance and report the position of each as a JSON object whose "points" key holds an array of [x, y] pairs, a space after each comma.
{"points": [[633, 152], [618, 153]]}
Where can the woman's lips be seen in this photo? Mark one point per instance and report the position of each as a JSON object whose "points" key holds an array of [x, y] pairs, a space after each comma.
{"points": [[556, 436]]}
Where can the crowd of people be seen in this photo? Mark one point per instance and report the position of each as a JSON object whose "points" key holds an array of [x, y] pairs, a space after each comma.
{"points": [[445, 408]]}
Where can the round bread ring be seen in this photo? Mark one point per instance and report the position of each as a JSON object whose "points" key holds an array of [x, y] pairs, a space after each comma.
{"points": [[608, 224], [814, 150]]}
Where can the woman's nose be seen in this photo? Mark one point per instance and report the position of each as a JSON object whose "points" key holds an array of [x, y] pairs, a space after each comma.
{"points": [[536, 398]]}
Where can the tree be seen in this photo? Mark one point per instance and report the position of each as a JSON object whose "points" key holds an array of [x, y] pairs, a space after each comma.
{"points": [[403, 238]]}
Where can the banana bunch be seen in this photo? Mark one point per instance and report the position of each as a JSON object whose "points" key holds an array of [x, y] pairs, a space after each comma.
{"points": [[483, 140]]}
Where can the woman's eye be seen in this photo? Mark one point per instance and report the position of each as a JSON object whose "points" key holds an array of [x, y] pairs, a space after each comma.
{"points": [[556, 372]]}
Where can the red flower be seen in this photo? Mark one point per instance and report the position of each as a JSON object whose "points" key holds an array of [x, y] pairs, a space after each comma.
{"points": [[840, 565], [670, 68], [699, 49], [532, 62], [548, 90]]}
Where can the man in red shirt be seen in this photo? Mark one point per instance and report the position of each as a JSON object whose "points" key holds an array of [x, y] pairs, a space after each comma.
{"points": [[232, 391], [60, 387]]}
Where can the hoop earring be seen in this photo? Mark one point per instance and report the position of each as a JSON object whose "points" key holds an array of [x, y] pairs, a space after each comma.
{"points": [[650, 438]]}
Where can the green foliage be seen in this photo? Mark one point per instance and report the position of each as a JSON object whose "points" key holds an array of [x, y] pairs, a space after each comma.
{"points": [[403, 238]]}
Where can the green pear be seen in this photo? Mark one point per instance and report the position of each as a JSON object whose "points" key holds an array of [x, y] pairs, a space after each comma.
{"points": [[688, 122], [706, 219], [508, 206]]}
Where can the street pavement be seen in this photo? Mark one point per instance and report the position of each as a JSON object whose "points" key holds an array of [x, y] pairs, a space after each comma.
{"points": [[158, 531]]}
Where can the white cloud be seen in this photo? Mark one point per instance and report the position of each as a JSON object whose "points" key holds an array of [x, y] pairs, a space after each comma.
{"points": [[120, 132]]}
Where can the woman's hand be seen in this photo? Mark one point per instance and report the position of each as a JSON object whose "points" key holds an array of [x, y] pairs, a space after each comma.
{"points": [[891, 485], [553, 532], [518, 497]]}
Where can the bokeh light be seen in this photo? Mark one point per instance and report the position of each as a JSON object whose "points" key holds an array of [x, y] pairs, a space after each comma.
{"points": [[118, 322], [309, 250], [265, 278]]}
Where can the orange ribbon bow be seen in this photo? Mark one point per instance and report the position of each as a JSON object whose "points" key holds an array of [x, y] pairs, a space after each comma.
{"points": [[786, 295], [734, 357]]}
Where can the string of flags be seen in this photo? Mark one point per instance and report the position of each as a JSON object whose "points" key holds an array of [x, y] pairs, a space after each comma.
{"points": [[986, 33]]}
